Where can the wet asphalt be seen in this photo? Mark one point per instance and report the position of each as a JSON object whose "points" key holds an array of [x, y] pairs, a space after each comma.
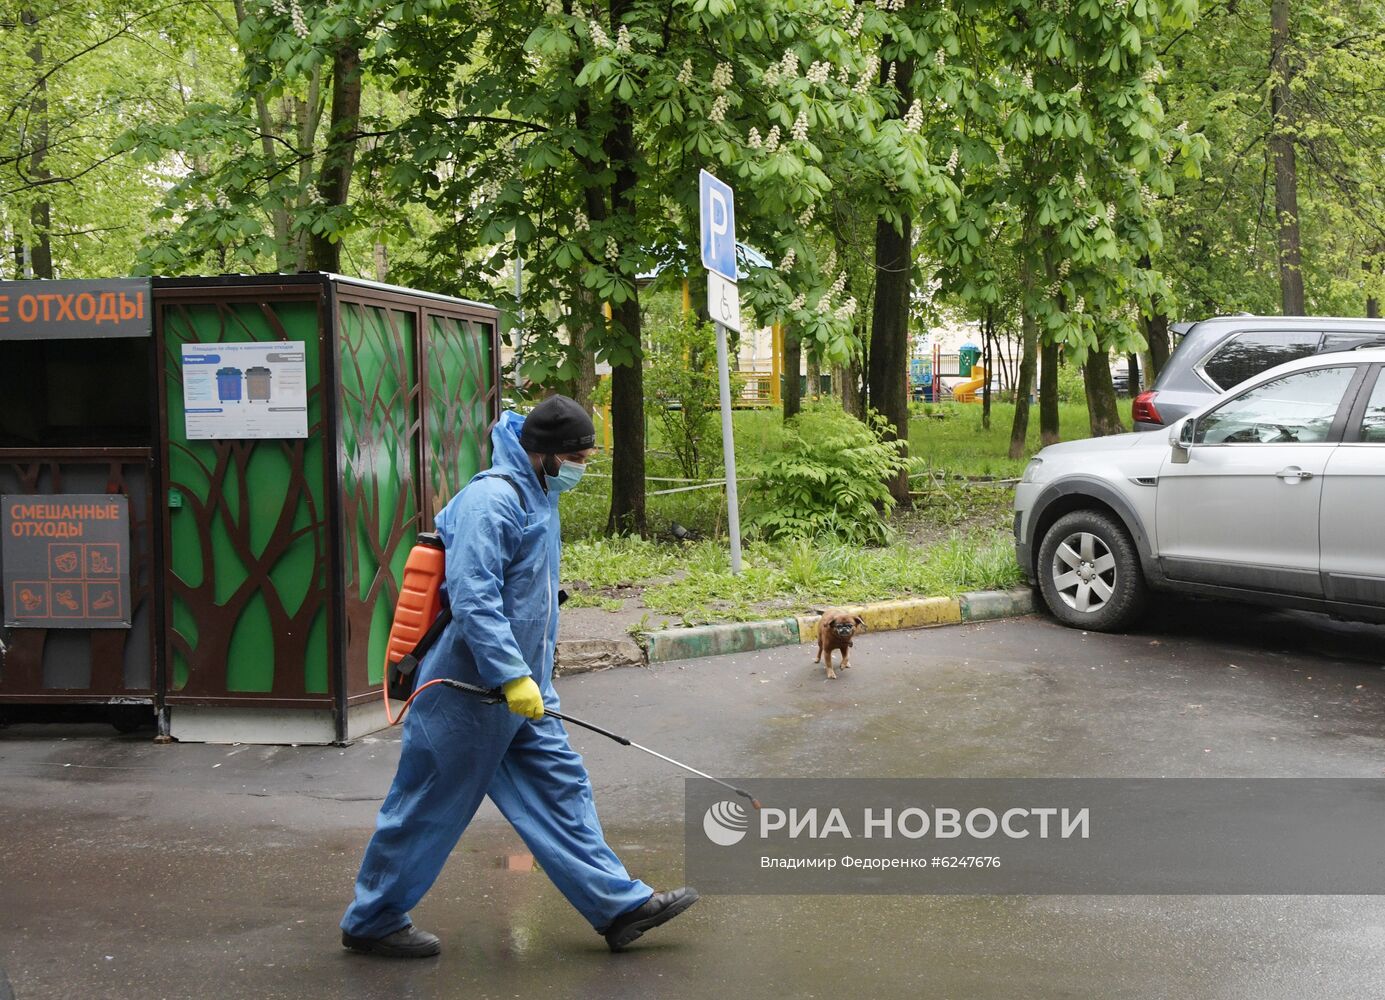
{"points": [[134, 870]]}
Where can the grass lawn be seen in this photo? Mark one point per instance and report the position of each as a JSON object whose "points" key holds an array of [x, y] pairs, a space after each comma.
{"points": [[955, 538], [949, 436]]}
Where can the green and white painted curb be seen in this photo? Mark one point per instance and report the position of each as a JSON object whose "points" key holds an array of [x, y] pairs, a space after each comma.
{"points": [[926, 612]]}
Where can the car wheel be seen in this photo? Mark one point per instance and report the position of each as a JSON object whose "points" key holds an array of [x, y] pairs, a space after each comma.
{"points": [[1089, 572]]}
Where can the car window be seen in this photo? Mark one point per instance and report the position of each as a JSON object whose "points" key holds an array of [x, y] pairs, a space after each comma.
{"points": [[1332, 342], [1248, 354], [1373, 423], [1296, 408]]}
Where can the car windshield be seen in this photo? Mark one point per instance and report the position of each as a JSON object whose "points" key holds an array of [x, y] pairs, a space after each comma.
{"points": [[1296, 408]]}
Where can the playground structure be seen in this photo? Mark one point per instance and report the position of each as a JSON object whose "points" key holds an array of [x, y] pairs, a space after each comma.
{"points": [[927, 372], [970, 390]]}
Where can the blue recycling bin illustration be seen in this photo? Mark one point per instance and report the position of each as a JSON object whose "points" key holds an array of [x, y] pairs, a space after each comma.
{"points": [[228, 385]]}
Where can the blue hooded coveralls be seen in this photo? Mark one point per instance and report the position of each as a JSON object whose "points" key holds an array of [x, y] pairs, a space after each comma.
{"points": [[502, 582]]}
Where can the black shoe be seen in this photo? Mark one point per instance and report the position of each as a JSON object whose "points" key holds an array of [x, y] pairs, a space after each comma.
{"points": [[660, 908], [407, 942]]}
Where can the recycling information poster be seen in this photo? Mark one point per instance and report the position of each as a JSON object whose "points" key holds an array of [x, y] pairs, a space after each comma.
{"points": [[66, 560], [254, 390]]}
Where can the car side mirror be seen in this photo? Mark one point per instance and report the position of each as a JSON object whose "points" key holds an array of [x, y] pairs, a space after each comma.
{"points": [[1181, 437]]}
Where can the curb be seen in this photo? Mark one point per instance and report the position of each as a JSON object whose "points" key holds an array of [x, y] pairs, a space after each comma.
{"points": [[885, 616]]}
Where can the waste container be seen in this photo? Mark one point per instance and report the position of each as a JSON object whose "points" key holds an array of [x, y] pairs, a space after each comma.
{"points": [[232, 567], [967, 356]]}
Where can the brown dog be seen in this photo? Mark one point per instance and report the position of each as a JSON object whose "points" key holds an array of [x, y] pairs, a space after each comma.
{"points": [[836, 629]]}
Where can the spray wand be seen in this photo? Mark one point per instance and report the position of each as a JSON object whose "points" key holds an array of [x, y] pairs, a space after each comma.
{"points": [[494, 696]]}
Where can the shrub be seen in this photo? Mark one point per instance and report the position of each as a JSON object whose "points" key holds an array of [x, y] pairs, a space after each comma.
{"points": [[826, 475], [681, 391], [1071, 387]]}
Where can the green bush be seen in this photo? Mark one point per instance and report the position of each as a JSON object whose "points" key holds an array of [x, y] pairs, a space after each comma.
{"points": [[681, 392], [826, 476], [1071, 388]]}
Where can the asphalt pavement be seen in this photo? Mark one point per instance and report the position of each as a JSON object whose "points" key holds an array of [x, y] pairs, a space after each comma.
{"points": [[134, 870]]}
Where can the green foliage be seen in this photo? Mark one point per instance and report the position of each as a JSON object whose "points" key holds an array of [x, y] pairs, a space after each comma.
{"points": [[681, 391], [1071, 387], [827, 476]]}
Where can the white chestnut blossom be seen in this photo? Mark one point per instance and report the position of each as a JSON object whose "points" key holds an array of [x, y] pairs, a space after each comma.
{"points": [[718, 113], [300, 23], [913, 118], [721, 76], [685, 74], [800, 127], [599, 37]]}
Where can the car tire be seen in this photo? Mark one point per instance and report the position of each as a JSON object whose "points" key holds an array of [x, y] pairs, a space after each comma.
{"points": [[1089, 572]]}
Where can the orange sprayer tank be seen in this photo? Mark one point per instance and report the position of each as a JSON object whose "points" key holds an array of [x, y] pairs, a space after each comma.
{"points": [[420, 597]]}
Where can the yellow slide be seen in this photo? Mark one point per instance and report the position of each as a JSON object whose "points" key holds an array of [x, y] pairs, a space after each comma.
{"points": [[970, 392]]}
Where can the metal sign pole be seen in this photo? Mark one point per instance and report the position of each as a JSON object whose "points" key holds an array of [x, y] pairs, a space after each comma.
{"points": [[728, 450]]}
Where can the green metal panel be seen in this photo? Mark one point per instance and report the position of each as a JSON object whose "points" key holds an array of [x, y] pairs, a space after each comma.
{"points": [[379, 479], [461, 383], [247, 581]]}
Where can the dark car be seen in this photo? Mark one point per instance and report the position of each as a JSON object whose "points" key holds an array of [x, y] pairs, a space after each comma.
{"points": [[1216, 354]]}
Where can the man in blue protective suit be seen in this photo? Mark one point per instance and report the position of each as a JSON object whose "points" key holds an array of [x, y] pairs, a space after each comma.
{"points": [[501, 538]]}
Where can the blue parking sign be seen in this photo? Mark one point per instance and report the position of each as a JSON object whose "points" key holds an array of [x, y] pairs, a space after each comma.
{"points": [[718, 216]]}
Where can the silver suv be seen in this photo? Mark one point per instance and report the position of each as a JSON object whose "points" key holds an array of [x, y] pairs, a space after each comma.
{"points": [[1216, 354], [1273, 493]]}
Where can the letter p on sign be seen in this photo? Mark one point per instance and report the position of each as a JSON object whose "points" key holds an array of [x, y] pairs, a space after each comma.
{"points": [[718, 218]]}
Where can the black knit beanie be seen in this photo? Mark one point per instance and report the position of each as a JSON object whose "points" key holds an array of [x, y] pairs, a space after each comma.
{"points": [[557, 426]]}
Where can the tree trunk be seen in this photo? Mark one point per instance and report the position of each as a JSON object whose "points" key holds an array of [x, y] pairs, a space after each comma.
{"points": [[627, 431], [1029, 350], [1372, 307], [334, 177], [627, 381], [283, 253], [1285, 165], [1101, 395], [986, 325], [888, 372], [1157, 336], [1048, 395], [814, 374], [889, 337], [853, 400], [584, 313], [307, 119], [41, 211], [793, 360]]}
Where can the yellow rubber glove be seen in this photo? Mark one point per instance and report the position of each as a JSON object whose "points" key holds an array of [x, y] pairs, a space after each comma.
{"points": [[523, 697]]}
